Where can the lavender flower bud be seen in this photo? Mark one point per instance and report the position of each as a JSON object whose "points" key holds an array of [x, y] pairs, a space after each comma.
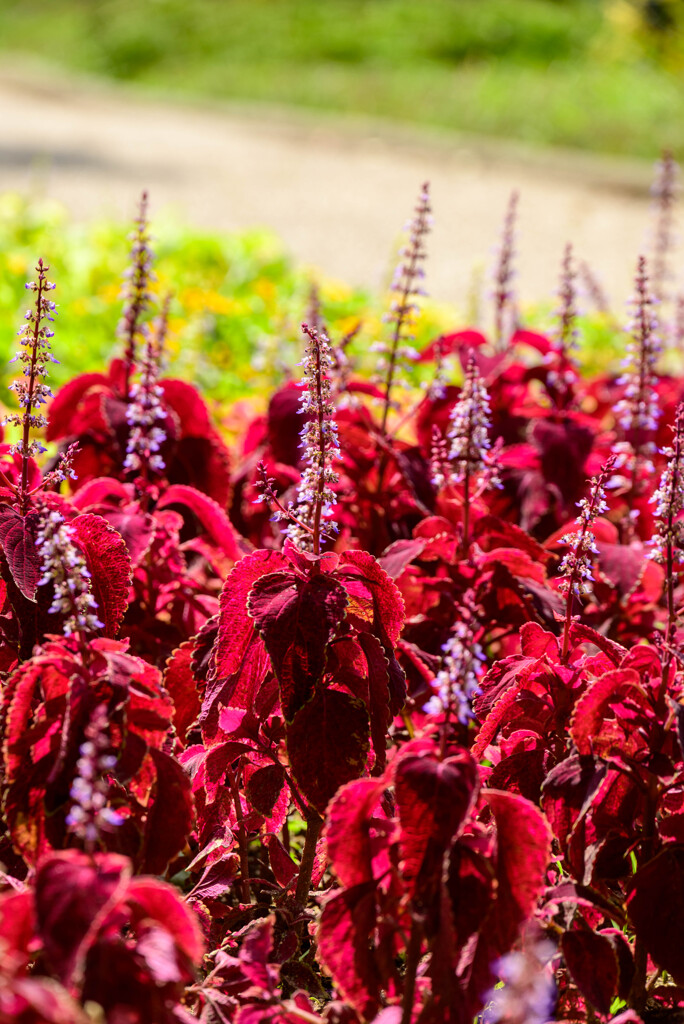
{"points": [[458, 681], [638, 412], [65, 568], [315, 496], [89, 814], [404, 310], [35, 353], [470, 426]]}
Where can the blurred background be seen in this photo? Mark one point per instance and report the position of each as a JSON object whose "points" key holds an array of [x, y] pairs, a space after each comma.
{"points": [[319, 119]]}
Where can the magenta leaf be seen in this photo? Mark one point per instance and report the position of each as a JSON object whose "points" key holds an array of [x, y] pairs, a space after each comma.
{"points": [[348, 830], [345, 942], [74, 894], [523, 841], [18, 542]]}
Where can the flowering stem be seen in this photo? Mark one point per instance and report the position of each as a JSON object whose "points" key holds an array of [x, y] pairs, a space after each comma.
{"points": [[583, 544], [320, 428]]}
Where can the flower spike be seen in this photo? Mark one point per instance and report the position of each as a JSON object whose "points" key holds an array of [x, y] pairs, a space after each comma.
{"points": [[64, 566], [638, 412], [575, 568], [136, 293], [315, 496], [31, 392], [407, 285]]}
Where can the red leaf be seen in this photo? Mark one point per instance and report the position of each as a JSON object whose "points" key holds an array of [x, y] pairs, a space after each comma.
{"points": [[374, 599], [348, 830], [523, 842], [263, 788], [38, 1001], [109, 564], [211, 516], [74, 893], [327, 743], [656, 909], [63, 410], [297, 619], [345, 943], [17, 926], [398, 555], [592, 962], [434, 799], [18, 540], [532, 338], [535, 642], [241, 659], [170, 818], [448, 343], [599, 723], [159, 902], [180, 682], [282, 865]]}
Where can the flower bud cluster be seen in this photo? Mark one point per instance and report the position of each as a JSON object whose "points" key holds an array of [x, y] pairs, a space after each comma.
{"points": [[407, 287], [136, 293], [320, 444], [440, 464], [669, 497], [469, 431], [35, 353], [638, 412], [566, 333], [144, 414], [528, 994], [89, 814], [65, 568], [505, 313], [664, 192], [459, 679], [575, 567]]}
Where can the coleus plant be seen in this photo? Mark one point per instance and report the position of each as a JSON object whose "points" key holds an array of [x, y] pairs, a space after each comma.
{"points": [[403, 737]]}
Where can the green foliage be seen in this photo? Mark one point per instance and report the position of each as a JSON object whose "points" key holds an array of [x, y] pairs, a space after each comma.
{"points": [[238, 301], [565, 72]]}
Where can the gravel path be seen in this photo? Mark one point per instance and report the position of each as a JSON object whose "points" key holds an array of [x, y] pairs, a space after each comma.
{"points": [[337, 192]]}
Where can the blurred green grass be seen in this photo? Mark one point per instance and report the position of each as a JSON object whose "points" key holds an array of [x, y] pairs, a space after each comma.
{"points": [[552, 72]]}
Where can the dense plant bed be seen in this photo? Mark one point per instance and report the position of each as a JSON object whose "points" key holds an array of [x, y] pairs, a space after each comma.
{"points": [[374, 715]]}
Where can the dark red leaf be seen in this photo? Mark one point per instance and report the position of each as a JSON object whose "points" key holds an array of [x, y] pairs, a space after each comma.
{"points": [[345, 943], [263, 788], [327, 743], [592, 962], [170, 818], [18, 541], [434, 799], [282, 865], [523, 842], [656, 908], [297, 619]]}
